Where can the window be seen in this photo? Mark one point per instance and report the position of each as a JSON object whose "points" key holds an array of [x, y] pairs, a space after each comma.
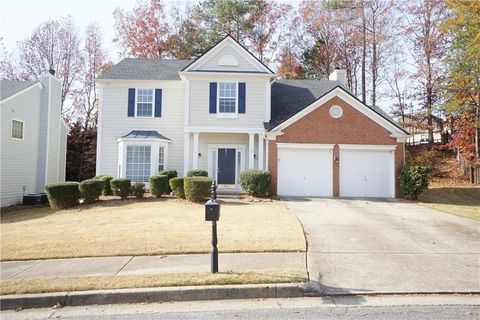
{"points": [[17, 129], [161, 158], [138, 163], [227, 98], [144, 103]]}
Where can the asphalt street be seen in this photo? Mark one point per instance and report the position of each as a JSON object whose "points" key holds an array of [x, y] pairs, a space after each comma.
{"points": [[418, 307]]}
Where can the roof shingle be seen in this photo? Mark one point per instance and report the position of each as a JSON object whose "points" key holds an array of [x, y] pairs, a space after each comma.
{"points": [[292, 96], [145, 134], [10, 87], [146, 69]]}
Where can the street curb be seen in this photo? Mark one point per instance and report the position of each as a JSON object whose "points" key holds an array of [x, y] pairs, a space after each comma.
{"points": [[142, 295]]}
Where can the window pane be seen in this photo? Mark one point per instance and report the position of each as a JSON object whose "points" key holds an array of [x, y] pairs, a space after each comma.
{"points": [[227, 105], [161, 158], [144, 102], [17, 129], [138, 163], [227, 97]]}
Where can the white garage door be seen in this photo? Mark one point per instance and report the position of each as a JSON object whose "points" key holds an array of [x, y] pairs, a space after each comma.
{"points": [[367, 173], [304, 170]]}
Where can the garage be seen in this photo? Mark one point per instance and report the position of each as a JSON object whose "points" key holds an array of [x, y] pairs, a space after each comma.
{"points": [[305, 169], [367, 171]]}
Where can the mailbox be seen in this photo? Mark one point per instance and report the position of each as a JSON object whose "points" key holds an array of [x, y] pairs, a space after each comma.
{"points": [[212, 210]]}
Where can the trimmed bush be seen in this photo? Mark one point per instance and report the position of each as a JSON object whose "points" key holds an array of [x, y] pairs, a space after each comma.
{"points": [[197, 173], [158, 185], [197, 188], [91, 189], [138, 189], [255, 182], [414, 180], [176, 185], [170, 174], [121, 187], [107, 188], [63, 194]]}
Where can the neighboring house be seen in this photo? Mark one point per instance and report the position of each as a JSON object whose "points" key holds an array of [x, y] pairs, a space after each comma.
{"points": [[416, 125], [223, 113], [33, 137]]}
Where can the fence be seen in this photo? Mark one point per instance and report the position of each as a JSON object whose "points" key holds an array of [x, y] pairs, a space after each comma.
{"points": [[472, 171]]}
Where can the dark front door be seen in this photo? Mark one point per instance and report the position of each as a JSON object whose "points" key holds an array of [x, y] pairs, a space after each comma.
{"points": [[226, 166]]}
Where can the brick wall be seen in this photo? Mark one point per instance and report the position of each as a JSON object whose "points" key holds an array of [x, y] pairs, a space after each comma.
{"points": [[319, 127]]}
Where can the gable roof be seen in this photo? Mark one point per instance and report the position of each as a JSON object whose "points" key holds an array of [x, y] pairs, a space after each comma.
{"points": [[215, 48], [289, 97], [146, 69], [10, 87]]}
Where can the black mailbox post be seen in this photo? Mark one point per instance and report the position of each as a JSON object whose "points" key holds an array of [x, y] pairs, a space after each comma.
{"points": [[212, 213]]}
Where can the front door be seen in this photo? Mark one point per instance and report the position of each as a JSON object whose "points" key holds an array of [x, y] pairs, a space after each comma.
{"points": [[226, 166]]}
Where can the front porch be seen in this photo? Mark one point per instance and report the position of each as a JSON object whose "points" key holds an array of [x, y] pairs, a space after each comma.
{"points": [[224, 153]]}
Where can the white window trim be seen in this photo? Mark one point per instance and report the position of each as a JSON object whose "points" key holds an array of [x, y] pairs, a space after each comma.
{"points": [[238, 148], [154, 145], [153, 103], [163, 145], [227, 115], [23, 130]]}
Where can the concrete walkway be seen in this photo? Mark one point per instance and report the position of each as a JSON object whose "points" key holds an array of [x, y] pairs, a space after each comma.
{"points": [[149, 265], [369, 246]]}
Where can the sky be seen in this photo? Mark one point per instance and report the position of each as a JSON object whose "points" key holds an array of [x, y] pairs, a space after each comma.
{"points": [[19, 17]]}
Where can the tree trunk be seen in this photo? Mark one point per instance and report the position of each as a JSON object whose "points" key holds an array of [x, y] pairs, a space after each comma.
{"points": [[364, 54]]}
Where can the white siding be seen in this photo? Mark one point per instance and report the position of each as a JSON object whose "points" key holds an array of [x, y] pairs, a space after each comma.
{"points": [[19, 157], [115, 123], [218, 138], [54, 139], [255, 103], [212, 63], [62, 154]]}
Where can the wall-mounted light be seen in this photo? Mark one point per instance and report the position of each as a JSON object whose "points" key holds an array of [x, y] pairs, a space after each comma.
{"points": [[336, 158], [254, 155], [199, 154]]}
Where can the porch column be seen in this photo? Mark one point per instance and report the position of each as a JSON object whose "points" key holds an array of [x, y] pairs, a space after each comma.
{"points": [[260, 151], [195, 150], [186, 152], [251, 149]]}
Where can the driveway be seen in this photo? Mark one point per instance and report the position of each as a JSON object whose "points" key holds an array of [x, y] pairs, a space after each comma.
{"points": [[362, 246]]}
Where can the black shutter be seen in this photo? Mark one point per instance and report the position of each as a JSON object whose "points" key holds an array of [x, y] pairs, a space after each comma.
{"points": [[158, 103], [131, 102], [213, 97], [241, 97]]}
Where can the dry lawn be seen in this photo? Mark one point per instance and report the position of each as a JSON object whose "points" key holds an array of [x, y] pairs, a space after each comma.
{"points": [[146, 227], [460, 200], [62, 284]]}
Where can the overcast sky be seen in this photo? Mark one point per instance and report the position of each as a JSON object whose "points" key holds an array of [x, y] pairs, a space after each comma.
{"points": [[19, 17]]}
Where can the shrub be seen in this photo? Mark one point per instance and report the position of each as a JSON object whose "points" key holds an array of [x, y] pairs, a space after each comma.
{"points": [[158, 185], [255, 182], [63, 194], [197, 188], [121, 187], [107, 188], [91, 189], [138, 189], [197, 173], [414, 180], [176, 185], [170, 174]]}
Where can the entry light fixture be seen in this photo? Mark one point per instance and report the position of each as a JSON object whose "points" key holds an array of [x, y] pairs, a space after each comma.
{"points": [[336, 158], [199, 154]]}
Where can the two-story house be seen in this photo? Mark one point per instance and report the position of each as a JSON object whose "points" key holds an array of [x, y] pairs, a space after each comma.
{"points": [[33, 137], [225, 112]]}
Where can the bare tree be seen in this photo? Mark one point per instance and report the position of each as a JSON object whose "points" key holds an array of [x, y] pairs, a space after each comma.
{"points": [[55, 45], [423, 29]]}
